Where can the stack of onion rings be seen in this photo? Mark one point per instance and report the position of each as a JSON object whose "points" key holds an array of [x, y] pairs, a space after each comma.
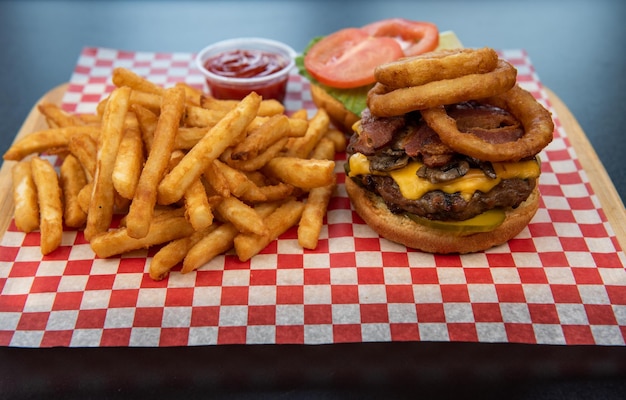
{"points": [[429, 82], [387, 103]]}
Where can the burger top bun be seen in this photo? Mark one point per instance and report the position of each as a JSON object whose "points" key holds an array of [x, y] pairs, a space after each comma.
{"points": [[401, 229]]}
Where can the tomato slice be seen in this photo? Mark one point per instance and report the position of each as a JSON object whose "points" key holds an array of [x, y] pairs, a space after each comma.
{"points": [[347, 58], [420, 37]]}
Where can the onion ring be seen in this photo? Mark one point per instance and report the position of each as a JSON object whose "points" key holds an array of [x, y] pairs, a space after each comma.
{"points": [[436, 66], [535, 119], [384, 102]]}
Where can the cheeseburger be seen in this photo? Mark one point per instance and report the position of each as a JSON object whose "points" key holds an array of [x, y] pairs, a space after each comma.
{"points": [[444, 158]]}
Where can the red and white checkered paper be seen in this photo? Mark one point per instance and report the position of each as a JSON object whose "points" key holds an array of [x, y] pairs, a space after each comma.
{"points": [[561, 281]]}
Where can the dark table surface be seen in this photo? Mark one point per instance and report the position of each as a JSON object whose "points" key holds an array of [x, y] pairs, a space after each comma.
{"points": [[576, 47]]}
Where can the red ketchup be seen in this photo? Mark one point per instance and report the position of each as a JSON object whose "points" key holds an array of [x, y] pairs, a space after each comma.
{"points": [[239, 66]]}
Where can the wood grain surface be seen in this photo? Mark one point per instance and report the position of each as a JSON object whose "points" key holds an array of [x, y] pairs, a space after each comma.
{"points": [[599, 179]]}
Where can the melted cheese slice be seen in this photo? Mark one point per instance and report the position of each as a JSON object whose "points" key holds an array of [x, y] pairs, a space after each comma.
{"points": [[413, 187]]}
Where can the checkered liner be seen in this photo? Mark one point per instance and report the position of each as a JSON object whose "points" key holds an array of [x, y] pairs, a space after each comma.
{"points": [[561, 281]]}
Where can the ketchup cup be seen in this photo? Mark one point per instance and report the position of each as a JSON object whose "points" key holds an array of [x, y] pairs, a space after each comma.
{"points": [[233, 68]]}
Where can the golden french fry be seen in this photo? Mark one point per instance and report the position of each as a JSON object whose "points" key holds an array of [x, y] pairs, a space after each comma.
{"points": [[300, 172], [73, 179], [189, 136], [84, 197], [287, 215], [239, 184], [142, 206], [324, 150], [275, 128], [128, 164], [125, 77], [162, 230], [208, 247], [25, 197], [147, 100], [257, 162], [131, 121], [202, 117], [270, 107], [300, 114], [216, 179], [267, 108], [313, 216], [276, 192], [257, 177], [103, 196], [160, 212], [338, 138], [147, 124], [50, 204], [193, 95], [211, 103], [102, 105], [244, 217], [227, 131], [197, 207], [218, 241], [318, 126], [89, 119], [298, 127], [151, 101], [175, 158], [44, 140], [57, 117], [271, 190], [174, 252], [85, 149]]}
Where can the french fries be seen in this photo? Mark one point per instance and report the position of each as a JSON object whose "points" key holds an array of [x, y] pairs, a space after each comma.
{"points": [[145, 197], [317, 127], [197, 207], [46, 140], [301, 172], [194, 175], [315, 208], [73, 179], [249, 244], [102, 199], [227, 131], [262, 137], [25, 197], [128, 164], [85, 149], [161, 230], [125, 77], [217, 241], [50, 205], [56, 117]]}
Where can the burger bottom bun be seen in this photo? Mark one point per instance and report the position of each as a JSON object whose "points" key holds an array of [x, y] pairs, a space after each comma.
{"points": [[341, 117], [401, 229]]}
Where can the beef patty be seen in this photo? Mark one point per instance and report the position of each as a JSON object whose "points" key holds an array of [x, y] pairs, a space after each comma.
{"points": [[438, 205]]}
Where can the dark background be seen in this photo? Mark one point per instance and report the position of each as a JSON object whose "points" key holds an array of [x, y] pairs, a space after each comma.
{"points": [[577, 49]]}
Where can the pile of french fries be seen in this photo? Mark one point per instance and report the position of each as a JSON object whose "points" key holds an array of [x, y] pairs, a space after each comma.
{"points": [[178, 169]]}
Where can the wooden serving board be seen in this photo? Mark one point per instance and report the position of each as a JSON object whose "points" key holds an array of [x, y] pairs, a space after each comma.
{"points": [[599, 179]]}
